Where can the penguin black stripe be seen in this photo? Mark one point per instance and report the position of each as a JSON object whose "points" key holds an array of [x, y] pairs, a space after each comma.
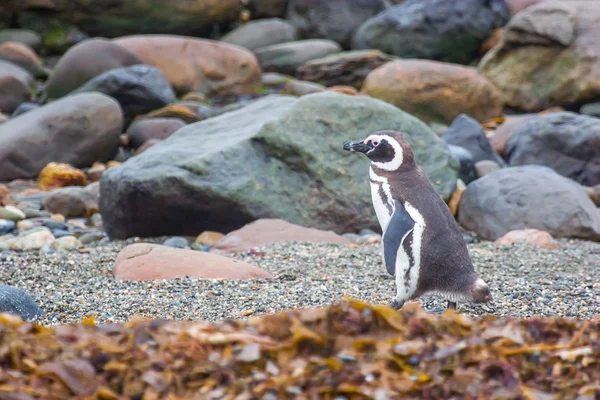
{"points": [[422, 245]]}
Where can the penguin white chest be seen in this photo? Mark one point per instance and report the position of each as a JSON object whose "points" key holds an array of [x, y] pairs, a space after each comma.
{"points": [[381, 196]]}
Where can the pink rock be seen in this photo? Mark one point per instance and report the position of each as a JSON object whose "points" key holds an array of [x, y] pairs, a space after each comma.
{"points": [[264, 232], [531, 236], [146, 261]]}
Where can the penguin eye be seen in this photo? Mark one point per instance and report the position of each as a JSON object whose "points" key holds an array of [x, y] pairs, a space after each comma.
{"points": [[375, 143]]}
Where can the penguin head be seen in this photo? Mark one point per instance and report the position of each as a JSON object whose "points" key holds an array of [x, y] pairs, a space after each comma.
{"points": [[387, 150]]}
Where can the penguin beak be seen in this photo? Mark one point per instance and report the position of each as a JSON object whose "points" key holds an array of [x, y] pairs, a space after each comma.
{"points": [[359, 146]]}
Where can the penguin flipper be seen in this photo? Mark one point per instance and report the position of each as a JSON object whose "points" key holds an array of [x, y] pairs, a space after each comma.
{"points": [[400, 225]]}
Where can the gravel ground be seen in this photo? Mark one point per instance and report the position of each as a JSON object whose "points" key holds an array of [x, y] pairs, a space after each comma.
{"points": [[525, 280]]}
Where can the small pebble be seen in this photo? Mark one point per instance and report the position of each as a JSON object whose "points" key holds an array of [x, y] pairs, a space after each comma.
{"points": [[176, 241], [6, 226], [52, 224], [60, 233]]}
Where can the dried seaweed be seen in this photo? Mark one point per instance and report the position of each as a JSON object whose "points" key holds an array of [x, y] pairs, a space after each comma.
{"points": [[350, 350]]}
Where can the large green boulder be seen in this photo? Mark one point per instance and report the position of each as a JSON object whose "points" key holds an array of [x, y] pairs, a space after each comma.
{"points": [[278, 157]]}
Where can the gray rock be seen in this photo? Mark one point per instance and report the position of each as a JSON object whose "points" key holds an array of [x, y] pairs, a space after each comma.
{"points": [[91, 237], [300, 88], [58, 233], [75, 130], [30, 38], [11, 213], [177, 242], [441, 30], [485, 167], [73, 201], [468, 133], [332, 19], [15, 86], [6, 226], [52, 224], [16, 301], [65, 243], [33, 239], [152, 128], [287, 57], [528, 197], [278, 157], [567, 142], [139, 89], [267, 8], [23, 108], [467, 166], [85, 61], [262, 32], [591, 109]]}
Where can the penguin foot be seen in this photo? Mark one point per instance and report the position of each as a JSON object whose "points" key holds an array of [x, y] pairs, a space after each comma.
{"points": [[451, 305], [396, 304]]}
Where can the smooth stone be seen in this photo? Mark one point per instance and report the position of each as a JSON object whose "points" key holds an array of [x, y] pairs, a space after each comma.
{"points": [[468, 133], [52, 224], [209, 238], [22, 55], [567, 142], [503, 132], [434, 91], [6, 226], [205, 66], [147, 144], [65, 243], [17, 301], [145, 261], [287, 57], [262, 32], [73, 201], [85, 61], [529, 236], [57, 175], [177, 242], [143, 130], [35, 213], [27, 37], [335, 20], [485, 167], [300, 88], [27, 224], [6, 242], [47, 249], [34, 239], [59, 233], [6, 196], [264, 232], [139, 89], [528, 197], [15, 86], [91, 237], [88, 124], [96, 220], [11, 213], [24, 108], [591, 109], [442, 30]]}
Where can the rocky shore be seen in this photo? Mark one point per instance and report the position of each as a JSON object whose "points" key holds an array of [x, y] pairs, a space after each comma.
{"points": [[526, 281]]}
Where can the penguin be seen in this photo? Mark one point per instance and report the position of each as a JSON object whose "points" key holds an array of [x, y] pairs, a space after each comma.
{"points": [[422, 244]]}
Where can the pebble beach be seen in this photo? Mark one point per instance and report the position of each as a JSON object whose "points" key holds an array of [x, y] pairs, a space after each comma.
{"points": [[526, 281]]}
